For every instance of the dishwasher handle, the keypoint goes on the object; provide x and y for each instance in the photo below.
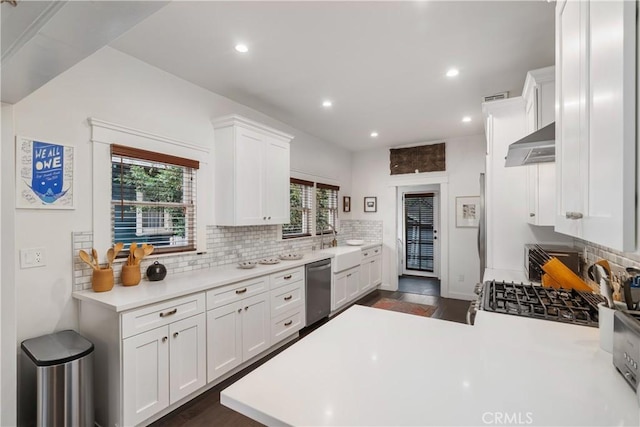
(319, 268)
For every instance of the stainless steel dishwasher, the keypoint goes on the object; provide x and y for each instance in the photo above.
(318, 290)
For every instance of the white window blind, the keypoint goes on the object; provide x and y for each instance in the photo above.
(301, 204)
(153, 199)
(326, 207)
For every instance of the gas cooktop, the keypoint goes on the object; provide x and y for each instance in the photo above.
(561, 305)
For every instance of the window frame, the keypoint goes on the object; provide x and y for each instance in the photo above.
(335, 210)
(190, 172)
(307, 213)
(313, 211)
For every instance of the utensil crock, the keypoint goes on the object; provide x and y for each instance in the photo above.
(130, 275)
(102, 280)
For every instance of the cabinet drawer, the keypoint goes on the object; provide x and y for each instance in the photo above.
(285, 277)
(235, 292)
(287, 297)
(287, 324)
(160, 314)
(368, 253)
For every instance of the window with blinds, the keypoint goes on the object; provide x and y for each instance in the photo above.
(419, 238)
(300, 192)
(153, 199)
(326, 207)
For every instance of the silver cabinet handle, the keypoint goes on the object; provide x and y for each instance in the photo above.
(532, 215)
(287, 277)
(376, 251)
(246, 308)
(175, 334)
(269, 218)
(164, 339)
(241, 291)
(573, 215)
(239, 310)
(288, 298)
(288, 323)
(366, 253)
(169, 313)
(264, 217)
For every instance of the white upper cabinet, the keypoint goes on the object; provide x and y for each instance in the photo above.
(251, 163)
(596, 121)
(539, 97)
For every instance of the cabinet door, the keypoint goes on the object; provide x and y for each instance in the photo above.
(145, 377)
(256, 325)
(339, 291)
(353, 283)
(248, 175)
(365, 275)
(276, 181)
(571, 118)
(609, 207)
(375, 269)
(187, 356)
(224, 339)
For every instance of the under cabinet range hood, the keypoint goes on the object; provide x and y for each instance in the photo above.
(537, 147)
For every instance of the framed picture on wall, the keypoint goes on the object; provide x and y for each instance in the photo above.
(44, 175)
(371, 204)
(467, 211)
(346, 204)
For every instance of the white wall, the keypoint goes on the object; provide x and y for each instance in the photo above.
(112, 86)
(465, 160)
(7, 285)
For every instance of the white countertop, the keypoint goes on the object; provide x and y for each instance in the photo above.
(516, 276)
(377, 367)
(122, 298)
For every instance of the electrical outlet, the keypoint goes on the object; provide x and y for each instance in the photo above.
(33, 257)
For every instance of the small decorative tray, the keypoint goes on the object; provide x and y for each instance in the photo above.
(269, 261)
(247, 264)
(290, 257)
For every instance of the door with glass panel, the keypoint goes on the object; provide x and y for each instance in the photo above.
(420, 234)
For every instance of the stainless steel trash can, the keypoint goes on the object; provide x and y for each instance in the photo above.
(57, 380)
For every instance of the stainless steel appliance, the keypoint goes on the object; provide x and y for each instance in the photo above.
(626, 345)
(519, 299)
(537, 147)
(482, 228)
(567, 255)
(318, 290)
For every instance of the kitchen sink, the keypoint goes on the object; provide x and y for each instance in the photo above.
(344, 257)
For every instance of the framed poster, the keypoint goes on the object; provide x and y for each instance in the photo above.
(44, 175)
(346, 203)
(371, 204)
(467, 211)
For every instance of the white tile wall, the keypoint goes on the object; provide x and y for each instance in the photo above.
(617, 260)
(225, 245)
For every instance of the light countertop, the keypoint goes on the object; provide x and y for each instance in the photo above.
(122, 298)
(376, 367)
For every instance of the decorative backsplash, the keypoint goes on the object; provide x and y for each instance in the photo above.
(226, 245)
(367, 230)
(617, 260)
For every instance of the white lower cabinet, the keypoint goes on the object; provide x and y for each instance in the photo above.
(345, 287)
(237, 332)
(162, 366)
(370, 273)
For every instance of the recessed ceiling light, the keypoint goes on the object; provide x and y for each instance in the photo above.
(242, 48)
(327, 103)
(374, 134)
(452, 72)
(466, 119)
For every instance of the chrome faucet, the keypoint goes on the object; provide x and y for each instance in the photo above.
(334, 242)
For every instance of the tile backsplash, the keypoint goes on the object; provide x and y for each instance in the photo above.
(227, 245)
(617, 260)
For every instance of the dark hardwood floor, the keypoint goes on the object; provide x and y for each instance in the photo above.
(206, 409)
(419, 285)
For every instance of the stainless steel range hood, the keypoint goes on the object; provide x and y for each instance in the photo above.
(538, 147)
